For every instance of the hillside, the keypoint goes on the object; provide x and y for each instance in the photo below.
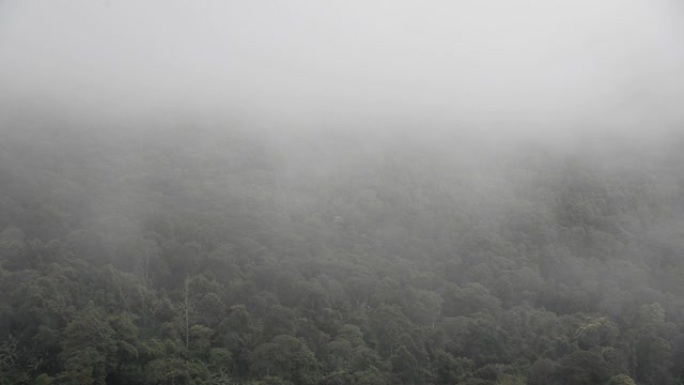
(178, 255)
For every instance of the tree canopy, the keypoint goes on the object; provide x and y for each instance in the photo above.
(226, 258)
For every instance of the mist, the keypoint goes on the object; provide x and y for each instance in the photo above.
(277, 192)
(529, 66)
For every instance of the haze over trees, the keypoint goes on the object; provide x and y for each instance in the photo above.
(341, 193)
(209, 257)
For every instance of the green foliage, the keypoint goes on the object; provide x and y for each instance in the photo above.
(234, 261)
(597, 332)
(621, 379)
(89, 349)
(167, 371)
(286, 357)
(43, 379)
(582, 368)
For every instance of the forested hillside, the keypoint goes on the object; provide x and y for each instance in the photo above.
(178, 255)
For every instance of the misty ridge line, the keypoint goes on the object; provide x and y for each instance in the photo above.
(469, 165)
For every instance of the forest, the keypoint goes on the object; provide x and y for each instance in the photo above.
(181, 253)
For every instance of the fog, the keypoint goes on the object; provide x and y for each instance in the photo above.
(271, 192)
(525, 66)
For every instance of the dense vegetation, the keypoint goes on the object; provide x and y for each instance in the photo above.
(180, 255)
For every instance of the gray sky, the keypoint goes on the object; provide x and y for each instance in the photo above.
(608, 62)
